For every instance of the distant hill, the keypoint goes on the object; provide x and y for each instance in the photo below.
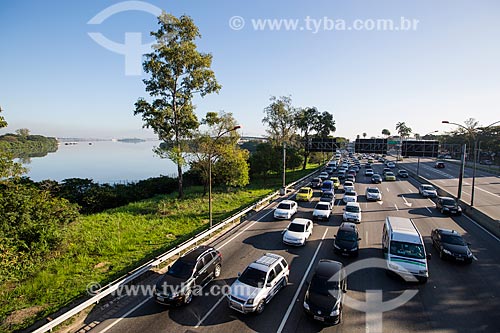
(25, 146)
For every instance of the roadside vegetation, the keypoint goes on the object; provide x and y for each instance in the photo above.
(24, 145)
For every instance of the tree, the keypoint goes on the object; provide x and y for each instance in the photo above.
(23, 132)
(364, 135)
(8, 168)
(306, 121)
(325, 125)
(403, 130)
(280, 119)
(177, 71)
(218, 145)
(386, 132)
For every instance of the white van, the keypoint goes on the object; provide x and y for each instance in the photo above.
(404, 249)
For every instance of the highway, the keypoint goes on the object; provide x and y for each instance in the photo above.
(487, 186)
(456, 298)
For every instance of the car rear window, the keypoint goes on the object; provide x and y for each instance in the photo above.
(284, 206)
(295, 227)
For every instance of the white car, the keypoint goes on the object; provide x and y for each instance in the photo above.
(322, 211)
(350, 197)
(391, 165)
(348, 186)
(352, 212)
(373, 193)
(369, 172)
(257, 285)
(324, 175)
(298, 232)
(427, 191)
(286, 209)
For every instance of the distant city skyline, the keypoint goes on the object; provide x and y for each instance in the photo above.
(441, 63)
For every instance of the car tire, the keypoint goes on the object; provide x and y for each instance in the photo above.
(188, 297)
(260, 307)
(442, 211)
(217, 270)
(285, 282)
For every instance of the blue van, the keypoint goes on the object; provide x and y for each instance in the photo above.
(327, 186)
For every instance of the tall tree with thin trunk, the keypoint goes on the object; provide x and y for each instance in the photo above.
(280, 119)
(306, 121)
(325, 125)
(177, 71)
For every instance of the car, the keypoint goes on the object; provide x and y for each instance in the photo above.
(451, 245)
(348, 186)
(297, 232)
(350, 196)
(427, 191)
(341, 174)
(285, 209)
(324, 296)
(327, 186)
(373, 194)
(329, 170)
(403, 173)
(351, 172)
(258, 284)
(447, 205)
(346, 241)
(389, 176)
(328, 197)
(352, 212)
(391, 165)
(336, 182)
(322, 211)
(304, 194)
(439, 165)
(386, 170)
(486, 162)
(191, 272)
(316, 182)
(376, 179)
(350, 178)
(369, 172)
(323, 175)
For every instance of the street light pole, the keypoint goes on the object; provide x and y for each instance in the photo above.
(210, 155)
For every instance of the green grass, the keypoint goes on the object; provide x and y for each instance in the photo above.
(102, 247)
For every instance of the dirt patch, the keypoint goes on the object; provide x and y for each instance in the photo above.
(103, 266)
(19, 316)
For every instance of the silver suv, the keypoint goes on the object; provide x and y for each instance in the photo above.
(257, 285)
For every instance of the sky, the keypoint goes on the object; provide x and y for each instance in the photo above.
(58, 81)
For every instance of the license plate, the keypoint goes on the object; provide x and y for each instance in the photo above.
(319, 318)
(460, 259)
(160, 299)
(345, 253)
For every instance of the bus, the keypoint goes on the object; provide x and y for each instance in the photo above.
(404, 249)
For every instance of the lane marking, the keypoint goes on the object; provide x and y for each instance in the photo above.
(409, 204)
(387, 189)
(242, 231)
(126, 314)
(292, 304)
(410, 190)
(428, 209)
(209, 312)
(484, 229)
(396, 207)
(474, 257)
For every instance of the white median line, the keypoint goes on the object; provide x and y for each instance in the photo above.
(290, 307)
(126, 314)
(396, 207)
(242, 231)
(209, 312)
(428, 209)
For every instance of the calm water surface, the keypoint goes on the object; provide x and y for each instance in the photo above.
(102, 161)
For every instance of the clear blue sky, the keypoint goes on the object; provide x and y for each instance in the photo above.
(55, 80)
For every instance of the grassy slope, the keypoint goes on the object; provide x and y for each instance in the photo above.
(104, 246)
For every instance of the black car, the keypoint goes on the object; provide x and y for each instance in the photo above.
(328, 197)
(316, 182)
(451, 245)
(191, 272)
(403, 173)
(346, 241)
(439, 165)
(447, 205)
(324, 296)
(376, 179)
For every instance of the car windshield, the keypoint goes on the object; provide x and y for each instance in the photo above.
(327, 196)
(402, 171)
(346, 235)
(350, 194)
(452, 239)
(181, 269)
(348, 183)
(304, 190)
(428, 187)
(352, 209)
(321, 285)
(322, 207)
(253, 277)
(389, 174)
(373, 190)
(296, 227)
(448, 202)
(284, 206)
(316, 180)
(408, 250)
(376, 176)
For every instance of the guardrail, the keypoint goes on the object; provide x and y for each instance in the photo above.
(130, 276)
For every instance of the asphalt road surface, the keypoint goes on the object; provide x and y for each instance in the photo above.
(456, 298)
(487, 185)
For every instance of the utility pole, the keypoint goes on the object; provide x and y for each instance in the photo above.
(461, 174)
